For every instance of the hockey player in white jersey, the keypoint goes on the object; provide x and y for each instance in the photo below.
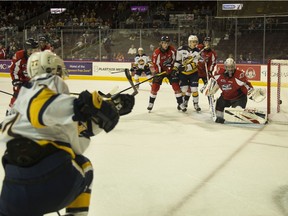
(45, 169)
(187, 70)
(141, 65)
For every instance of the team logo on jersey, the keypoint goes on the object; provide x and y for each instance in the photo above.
(226, 87)
(141, 61)
(250, 73)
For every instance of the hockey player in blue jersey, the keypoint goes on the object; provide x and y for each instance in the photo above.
(45, 170)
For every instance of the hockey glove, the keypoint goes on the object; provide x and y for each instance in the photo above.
(17, 82)
(124, 103)
(92, 106)
(175, 71)
(256, 95)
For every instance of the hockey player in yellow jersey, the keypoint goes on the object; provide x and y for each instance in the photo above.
(45, 170)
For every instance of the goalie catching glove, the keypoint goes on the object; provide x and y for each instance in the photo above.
(257, 95)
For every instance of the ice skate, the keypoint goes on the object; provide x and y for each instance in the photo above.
(150, 106)
(185, 103)
(196, 107)
(182, 107)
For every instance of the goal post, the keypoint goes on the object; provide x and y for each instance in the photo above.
(277, 91)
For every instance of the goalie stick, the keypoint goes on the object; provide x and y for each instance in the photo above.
(210, 98)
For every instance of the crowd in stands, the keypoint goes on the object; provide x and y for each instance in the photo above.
(86, 19)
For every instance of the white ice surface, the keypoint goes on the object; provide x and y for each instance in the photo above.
(169, 163)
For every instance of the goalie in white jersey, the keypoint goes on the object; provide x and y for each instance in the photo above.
(45, 170)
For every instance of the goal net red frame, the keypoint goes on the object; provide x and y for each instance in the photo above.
(277, 91)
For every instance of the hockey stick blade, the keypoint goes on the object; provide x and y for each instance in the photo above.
(128, 75)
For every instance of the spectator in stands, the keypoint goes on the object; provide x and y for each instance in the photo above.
(107, 46)
(120, 57)
(249, 57)
(242, 59)
(132, 51)
(2, 51)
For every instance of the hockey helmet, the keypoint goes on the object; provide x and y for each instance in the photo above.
(230, 67)
(31, 43)
(140, 49)
(43, 39)
(192, 38)
(165, 38)
(46, 62)
(207, 39)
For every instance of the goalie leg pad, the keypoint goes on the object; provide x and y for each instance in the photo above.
(250, 116)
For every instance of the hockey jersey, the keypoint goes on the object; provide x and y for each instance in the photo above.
(232, 87)
(44, 111)
(185, 56)
(164, 61)
(141, 61)
(18, 66)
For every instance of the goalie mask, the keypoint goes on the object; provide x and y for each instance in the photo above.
(230, 67)
(192, 41)
(46, 62)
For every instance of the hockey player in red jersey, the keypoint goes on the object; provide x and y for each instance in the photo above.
(18, 71)
(163, 60)
(235, 88)
(209, 57)
(44, 45)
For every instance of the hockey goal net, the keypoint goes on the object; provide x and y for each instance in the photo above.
(277, 91)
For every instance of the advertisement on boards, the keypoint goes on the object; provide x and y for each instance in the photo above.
(79, 67)
(110, 68)
(4, 66)
(252, 71)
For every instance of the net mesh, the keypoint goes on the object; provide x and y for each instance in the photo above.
(277, 91)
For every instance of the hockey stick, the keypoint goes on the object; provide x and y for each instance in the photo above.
(115, 72)
(210, 97)
(128, 75)
(159, 74)
(7, 93)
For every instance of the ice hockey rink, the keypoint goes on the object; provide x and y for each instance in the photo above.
(169, 163)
